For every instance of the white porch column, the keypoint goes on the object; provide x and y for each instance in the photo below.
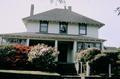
(102, 47)
(27, 42)
(74, 51)
(56, 46)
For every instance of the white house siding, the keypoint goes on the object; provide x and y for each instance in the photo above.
(92, 31)
(73, 29)
(33, 26)
(53, 27)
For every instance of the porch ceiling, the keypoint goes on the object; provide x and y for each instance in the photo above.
(67, 37)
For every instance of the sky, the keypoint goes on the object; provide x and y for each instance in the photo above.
(12, 12)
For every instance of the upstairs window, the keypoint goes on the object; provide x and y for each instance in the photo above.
(63, 27)
(83, 29)
(44, 27)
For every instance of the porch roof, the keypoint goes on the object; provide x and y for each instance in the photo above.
(46, 36)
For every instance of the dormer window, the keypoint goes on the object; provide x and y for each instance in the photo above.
(44, 27)
(63, 27)
(83, 29)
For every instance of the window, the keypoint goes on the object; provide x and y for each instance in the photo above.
(63, 27)
(80, 46)
(83, 29)
(98, 45)
(44, 27)
(13, 41)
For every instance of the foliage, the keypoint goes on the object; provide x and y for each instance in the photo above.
(43, 57)
(98, 61)
(13, 56)
(88, 54)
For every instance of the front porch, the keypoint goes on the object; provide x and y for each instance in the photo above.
(68, 45)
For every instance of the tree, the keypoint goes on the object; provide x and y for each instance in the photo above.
(118, 10)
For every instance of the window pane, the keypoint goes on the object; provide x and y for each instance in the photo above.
(80, 46)
(98, 45)
(83, 29)
(13, 41)
(44, 27)
(63, 27)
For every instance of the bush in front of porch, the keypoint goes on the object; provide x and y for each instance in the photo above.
(98, 61)
(13, 57)
(39, 57)
(43, 57)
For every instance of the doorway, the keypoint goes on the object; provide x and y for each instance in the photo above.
(64, 49)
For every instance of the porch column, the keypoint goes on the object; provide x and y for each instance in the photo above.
(102, 46)
(56, 46)
(27, 42)
(74, 51)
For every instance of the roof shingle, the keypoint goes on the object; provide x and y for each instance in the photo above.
(63, 15)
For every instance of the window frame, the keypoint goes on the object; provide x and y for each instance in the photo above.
(63, 23)
(43, 22)
(85, 26)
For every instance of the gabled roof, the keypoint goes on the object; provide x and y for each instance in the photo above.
(62, 15)
(67, 37)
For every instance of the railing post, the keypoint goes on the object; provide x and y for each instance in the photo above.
(87, 69)
(81, 67)
(77, 67)
(109, 70)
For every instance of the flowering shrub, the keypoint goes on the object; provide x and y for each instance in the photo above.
(5, 51)
(39, 57)
(43, 57)
(88, 54)
(13, 56)
(98, 61)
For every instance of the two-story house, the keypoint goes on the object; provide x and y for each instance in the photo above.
(68, 31)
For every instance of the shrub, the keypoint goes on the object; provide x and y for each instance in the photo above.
(88, 54)
(13, 56)
(5, 52)
(43, 57)
(100, 63)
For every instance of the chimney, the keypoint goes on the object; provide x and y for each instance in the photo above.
(69, 8)
(32, 10)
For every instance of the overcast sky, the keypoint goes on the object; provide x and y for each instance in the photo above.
(12, 12)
